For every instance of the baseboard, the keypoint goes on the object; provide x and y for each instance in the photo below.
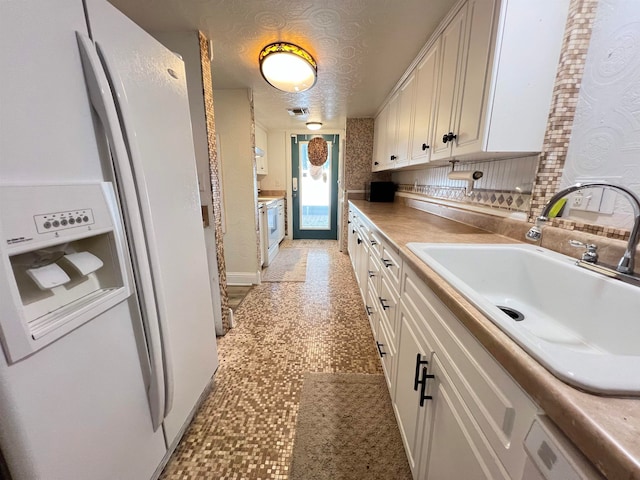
(243, 278)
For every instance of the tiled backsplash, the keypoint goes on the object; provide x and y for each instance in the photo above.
(505, 184)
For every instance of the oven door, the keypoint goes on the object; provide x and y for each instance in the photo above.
(272, 220)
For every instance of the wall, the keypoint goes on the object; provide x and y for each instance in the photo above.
(187, 45)
(504, 187)
(358, 152)
(605, 144)
(234, 126)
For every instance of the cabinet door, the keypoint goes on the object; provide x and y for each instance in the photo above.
(391, 138)
(426, 81)
(406, 403)
(405, 111)
(451, 42)
(379, 137)
(456, 446)
(474, 79)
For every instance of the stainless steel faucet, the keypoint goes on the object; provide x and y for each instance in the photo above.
(626, 263)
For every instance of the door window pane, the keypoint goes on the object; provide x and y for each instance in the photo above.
(314, 191)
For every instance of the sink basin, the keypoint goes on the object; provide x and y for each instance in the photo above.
(582, 326)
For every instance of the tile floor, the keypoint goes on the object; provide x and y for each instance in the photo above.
(245, 429)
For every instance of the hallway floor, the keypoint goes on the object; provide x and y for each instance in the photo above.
(245, 428)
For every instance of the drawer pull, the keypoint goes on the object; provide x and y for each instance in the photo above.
(371, 273)
(419, 363)
(380, 345)
(423, 386)
(373, 242)
(386, 263)
(384, 305)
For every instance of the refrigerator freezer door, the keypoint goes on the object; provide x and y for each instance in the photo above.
(150, 89)
(46, 133)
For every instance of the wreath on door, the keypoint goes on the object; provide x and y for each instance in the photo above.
(317, 151)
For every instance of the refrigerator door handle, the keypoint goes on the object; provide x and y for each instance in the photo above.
(160, 390)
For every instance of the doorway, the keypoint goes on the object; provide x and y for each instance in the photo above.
(314, 190)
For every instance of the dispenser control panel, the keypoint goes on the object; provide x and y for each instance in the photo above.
(61, 220)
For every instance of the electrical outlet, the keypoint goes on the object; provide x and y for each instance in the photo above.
(577, 200)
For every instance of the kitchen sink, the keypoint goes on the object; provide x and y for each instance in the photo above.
(582, 326)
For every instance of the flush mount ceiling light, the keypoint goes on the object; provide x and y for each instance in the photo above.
(288, 67)
(314, 125)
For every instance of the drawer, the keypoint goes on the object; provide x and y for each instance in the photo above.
(376, 243)
(387, 352)
(501, 408)
(388, 307)
(392, 265)
(373, 270)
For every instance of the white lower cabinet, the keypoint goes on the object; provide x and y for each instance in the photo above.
(460, 414)
(453, 444)
(477, 417)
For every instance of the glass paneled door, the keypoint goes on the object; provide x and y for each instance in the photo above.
(314, 190)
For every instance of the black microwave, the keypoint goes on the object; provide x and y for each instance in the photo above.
(380, 191)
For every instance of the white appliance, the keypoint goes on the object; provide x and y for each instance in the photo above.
(263, 225)
(272, 239)
(106, 318)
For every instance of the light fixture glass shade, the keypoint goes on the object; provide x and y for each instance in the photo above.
(314, 125)
(288, 67)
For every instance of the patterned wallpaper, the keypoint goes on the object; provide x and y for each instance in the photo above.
(605, 144)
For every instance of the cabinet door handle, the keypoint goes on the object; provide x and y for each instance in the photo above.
(380, 345)
(448, 137)
(393, 157)
(386, 263)
(419, 363)
(353, 231)
(369, 310)
(424, 147)
(384, 305)
(373, 242)
(359, 241)
(376, 163)
(371, 273)
(423, 387)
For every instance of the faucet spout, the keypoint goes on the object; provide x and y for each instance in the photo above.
(626, 263)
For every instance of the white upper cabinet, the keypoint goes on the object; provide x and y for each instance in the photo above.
(379, 141)
(421, 136)
(262, 167)
(391, 138)
(405, 112)
(484, 85)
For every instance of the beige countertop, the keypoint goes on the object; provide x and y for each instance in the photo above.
(605, 429)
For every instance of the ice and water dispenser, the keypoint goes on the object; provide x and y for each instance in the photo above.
(63, 261)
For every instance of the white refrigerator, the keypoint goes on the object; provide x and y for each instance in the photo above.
(106, 311)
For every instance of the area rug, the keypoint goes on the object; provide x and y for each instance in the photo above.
(290, 265)
(346, 429)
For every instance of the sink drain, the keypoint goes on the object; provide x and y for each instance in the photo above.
(514, 314)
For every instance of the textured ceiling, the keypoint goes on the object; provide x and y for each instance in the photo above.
(362, 47)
